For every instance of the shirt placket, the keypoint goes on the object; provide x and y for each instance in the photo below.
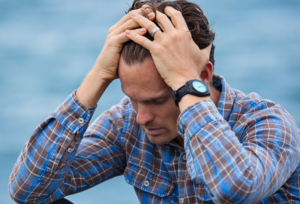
(182, 175)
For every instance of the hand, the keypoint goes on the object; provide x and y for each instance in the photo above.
(107, 62)
(105, 68)
(176, 56)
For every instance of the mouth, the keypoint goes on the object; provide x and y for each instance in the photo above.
(154, 131)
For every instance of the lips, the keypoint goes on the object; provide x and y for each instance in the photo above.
(154, 131)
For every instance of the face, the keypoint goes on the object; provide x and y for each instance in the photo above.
(152, 100)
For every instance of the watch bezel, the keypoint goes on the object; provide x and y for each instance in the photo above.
(191, 87)
(188, 88)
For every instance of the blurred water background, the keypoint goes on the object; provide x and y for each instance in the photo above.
(47, 47)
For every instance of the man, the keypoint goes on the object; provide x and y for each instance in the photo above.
(181, 136)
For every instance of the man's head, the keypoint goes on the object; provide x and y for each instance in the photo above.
(194, 17)
(150, 96)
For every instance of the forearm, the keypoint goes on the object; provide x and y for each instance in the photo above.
(92, 87)
(236, 171)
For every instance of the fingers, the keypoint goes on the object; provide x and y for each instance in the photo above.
(123, 37)
(148, 44)
(148, 12)
(145, 23)
(128, 25)
(164, 22)
(131, 24)
(127, 17)
(120, 26)
(177, 18)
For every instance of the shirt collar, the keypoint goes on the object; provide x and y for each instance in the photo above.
(226, 100)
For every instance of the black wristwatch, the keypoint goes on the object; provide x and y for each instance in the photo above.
(193, 87)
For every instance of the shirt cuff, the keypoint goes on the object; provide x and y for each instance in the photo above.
(192, 119)
(73, 115)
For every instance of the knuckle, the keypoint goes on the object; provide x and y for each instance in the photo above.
(177, 13)
(134, 36)
(110, 41)
(131, 12)
(113, 38)
(128, 23)
(175, 36)
(161, 15)
(160, 49)
(111, 29)
(134, 11)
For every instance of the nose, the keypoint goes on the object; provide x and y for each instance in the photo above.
(144, 114)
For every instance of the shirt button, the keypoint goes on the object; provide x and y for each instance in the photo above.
(181, 200)
(70, 150)
(146, 183)
(80, 120)
(184, 157)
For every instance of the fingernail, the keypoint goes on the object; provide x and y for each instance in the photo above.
(143, 30)
(127, 32)
(133, 13)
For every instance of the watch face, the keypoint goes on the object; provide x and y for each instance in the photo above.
(199, 86)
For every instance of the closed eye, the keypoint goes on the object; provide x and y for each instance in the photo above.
(154, 101)
(160, 100)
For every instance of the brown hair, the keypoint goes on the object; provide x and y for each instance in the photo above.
(194, 17)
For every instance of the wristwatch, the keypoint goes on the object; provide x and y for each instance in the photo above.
(193, 87)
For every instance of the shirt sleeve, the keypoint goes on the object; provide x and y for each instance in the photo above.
(245, 159)
(63, 157)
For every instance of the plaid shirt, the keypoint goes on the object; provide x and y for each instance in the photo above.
(245, 150)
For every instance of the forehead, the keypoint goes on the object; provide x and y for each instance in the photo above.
(141, 81)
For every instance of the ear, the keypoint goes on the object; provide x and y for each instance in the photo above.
(207, 73)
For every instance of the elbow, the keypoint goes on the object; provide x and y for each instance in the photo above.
(14, 194)
(19, 198)
(235, 197)
(246, 189)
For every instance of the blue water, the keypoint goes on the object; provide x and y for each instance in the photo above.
(47, 47)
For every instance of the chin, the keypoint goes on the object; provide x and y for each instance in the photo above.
(158, 140)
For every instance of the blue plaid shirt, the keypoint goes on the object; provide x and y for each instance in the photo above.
(246, 150)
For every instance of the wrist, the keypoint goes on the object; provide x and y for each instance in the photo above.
(181, 82)
(103, 76)
(92, 88)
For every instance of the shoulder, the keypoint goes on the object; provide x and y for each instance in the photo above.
(253, 111)
(253, 102)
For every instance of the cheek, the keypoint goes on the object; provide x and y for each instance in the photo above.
(170, 113)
